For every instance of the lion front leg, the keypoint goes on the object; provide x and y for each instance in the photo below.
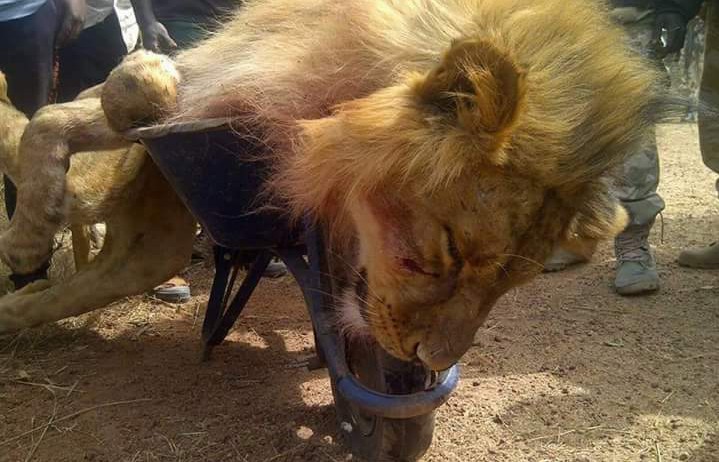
(149, 239)
(50, 139)
(142, 89)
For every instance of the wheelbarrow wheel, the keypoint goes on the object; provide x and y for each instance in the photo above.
(374, 438)
(371, 437)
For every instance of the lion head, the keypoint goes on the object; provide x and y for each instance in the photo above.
(454, 185)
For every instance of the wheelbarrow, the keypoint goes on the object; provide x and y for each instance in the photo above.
(385, 407)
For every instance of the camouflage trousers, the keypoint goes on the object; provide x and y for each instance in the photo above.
(637, 185)
(709, 93)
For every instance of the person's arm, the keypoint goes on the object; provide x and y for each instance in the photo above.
(154, 35)
(73, 20)
(670, 24)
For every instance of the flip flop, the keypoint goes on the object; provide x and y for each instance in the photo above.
(176, 290)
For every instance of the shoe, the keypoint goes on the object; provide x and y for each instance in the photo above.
(176, 290)
(561, 259)
(636, 266)
(703, 257)
(276, 269)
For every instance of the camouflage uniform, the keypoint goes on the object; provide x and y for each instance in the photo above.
(709, 93)
(708, 120)
(706, 257)
(637, 187)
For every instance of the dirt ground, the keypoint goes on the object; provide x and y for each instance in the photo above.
(564, 370)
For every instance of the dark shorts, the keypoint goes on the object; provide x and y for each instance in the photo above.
(27, 57)
(88, 60)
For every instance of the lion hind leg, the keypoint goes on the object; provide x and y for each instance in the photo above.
(148, 240)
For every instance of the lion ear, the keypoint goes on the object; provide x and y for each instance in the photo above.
(478, 87)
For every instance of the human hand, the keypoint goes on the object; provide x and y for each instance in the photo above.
(73, 20)
(156, 38)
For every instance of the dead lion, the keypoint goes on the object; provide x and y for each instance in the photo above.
(449, 143)
(149, 231)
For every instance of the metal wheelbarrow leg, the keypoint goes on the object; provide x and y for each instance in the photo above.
(222, 313)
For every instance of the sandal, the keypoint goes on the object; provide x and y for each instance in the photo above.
(176, 290)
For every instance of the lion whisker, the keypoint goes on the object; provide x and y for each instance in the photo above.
(501, 266)
(521, 257)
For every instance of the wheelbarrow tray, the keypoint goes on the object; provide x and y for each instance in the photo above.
(219, 176)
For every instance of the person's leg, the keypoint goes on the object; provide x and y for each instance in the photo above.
(637, 186)
(709, 92)
(637, 190)
(28, 67)
(708, 257)
(88, 60)
(27, 57)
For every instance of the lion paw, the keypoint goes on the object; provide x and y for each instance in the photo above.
(141, 90)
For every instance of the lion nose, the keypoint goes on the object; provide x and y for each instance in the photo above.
(441, 348)
(436, 359)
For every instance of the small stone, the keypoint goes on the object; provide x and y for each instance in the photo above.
(304, 433)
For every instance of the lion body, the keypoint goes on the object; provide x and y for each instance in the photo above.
(447, 144)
